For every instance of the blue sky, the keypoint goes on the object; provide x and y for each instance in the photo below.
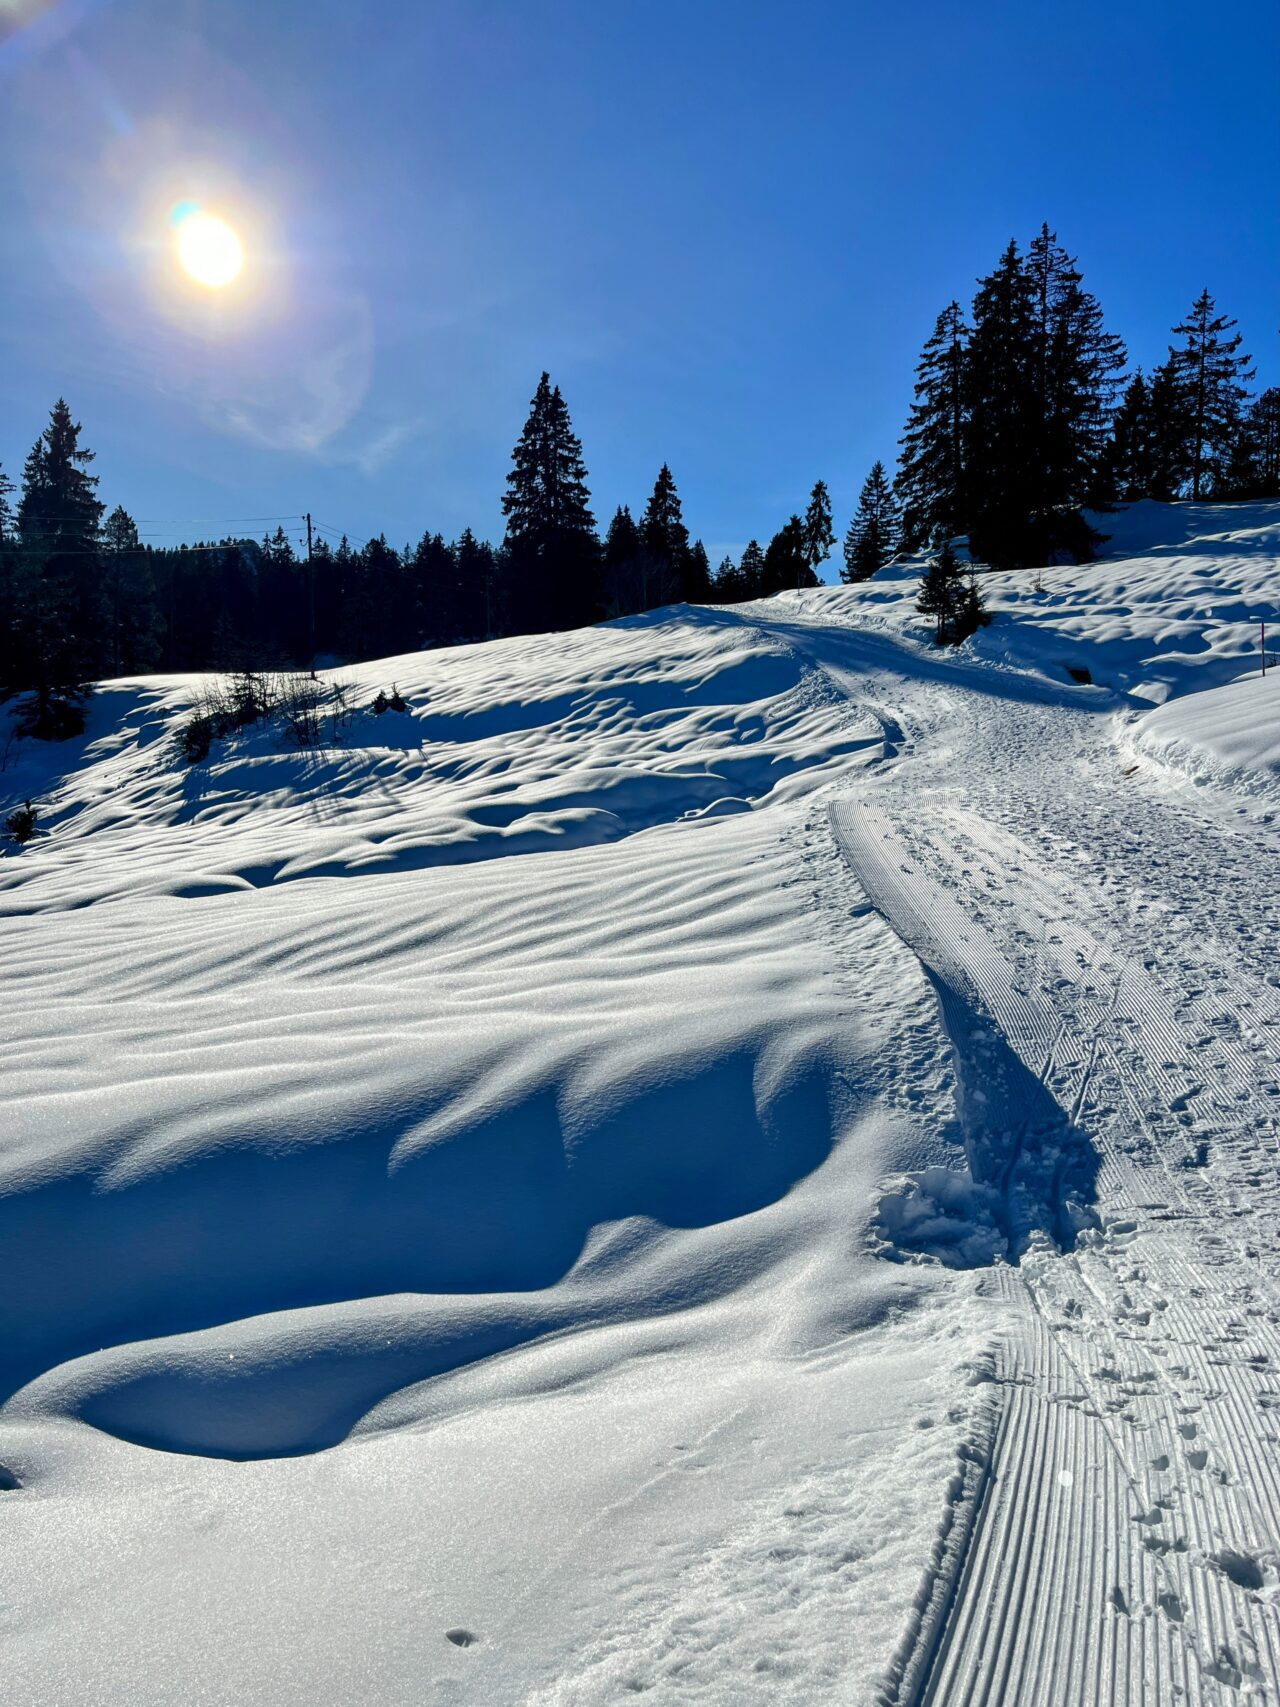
(725, 228)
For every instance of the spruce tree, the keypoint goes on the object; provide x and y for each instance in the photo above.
(1254, 469)
(1130, 456)
(666, 540)
(728, 586)
(623, 566)
(473, 569)
(819, 535)
(697, 574)
(1077, 371)
(942, 594)
(751, 571)
(8, 589)
(1210, 374)
(551, 553)
(1168, 436)
(1001, 463)
(873, 533)
(931, 477)
(61, 619)
(132, 616)
(786, 562)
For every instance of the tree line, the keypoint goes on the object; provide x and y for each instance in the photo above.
(1023, 419)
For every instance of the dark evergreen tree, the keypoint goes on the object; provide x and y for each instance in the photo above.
(8, 589)
(819, 535)
(1254, 468)
(132, 630)
(873, 533)
(751, 569)
(943, 594)
(729, 585)
(625, 566)
(473, 572)
(1129, 462)
(434, 608)
(1168, 436)
(786, 562)
(931, 477)
(1001, 458)
(665, 539)
(1077, 370)
(59, 593)
(1210, 374)
(697, 574)
(551, 551)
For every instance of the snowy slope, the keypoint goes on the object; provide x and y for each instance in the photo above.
(727, 1156)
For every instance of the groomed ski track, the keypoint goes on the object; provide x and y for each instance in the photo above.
(1103, 946)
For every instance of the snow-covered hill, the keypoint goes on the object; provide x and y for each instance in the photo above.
(728, 1156)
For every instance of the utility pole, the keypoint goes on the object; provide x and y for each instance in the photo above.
(311, 603)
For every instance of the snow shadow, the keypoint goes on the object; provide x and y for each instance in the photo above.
(1033, 1171)
(503, 1208)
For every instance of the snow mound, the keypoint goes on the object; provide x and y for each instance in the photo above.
(1229, 736)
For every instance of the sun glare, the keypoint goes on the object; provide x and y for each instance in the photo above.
(209, 250)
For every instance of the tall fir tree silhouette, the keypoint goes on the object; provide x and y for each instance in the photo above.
(819, 534)
(665, 539)
(61, 627)
(874, 531)
(1210, 374)
(931, 479)
(552, 554)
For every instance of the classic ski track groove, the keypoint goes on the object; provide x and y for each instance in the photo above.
(1122, 1542)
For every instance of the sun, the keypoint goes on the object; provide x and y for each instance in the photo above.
(209, 250)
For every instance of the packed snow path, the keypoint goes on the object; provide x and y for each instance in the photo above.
(1117, 944)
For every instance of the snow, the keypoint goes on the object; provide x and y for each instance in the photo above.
(726, 1156)
(1228, 735)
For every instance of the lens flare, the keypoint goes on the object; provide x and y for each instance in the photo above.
(209, 251)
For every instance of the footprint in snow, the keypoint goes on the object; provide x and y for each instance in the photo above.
(462, 1638)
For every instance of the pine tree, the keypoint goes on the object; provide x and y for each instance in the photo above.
(873, 533)
(1254, 471)
(697, 574)
(551, 553)
(1076, 380)
(624, 566)
(942, 594)
(132, 616)
(8, 589)
(751, 570)
(432, 605)
(931, 478)
(59, 595)
(1168, 436)
(1130, 456)
(1210, 374)
(786, 562)
(1002, 428)
(728, 585)
(819, 535)
(666, 540)
(473, 570)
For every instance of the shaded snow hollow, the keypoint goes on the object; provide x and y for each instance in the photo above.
(447, 1175)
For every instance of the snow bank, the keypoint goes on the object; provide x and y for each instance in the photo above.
(1229, 736)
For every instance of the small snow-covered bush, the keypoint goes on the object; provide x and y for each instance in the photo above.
(196, 737)
(21, 822)
(292, 702)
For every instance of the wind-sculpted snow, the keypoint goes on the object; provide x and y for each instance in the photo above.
(518, 747)
(729, 1157)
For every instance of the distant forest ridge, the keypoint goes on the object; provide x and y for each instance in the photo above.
(1024, 416)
